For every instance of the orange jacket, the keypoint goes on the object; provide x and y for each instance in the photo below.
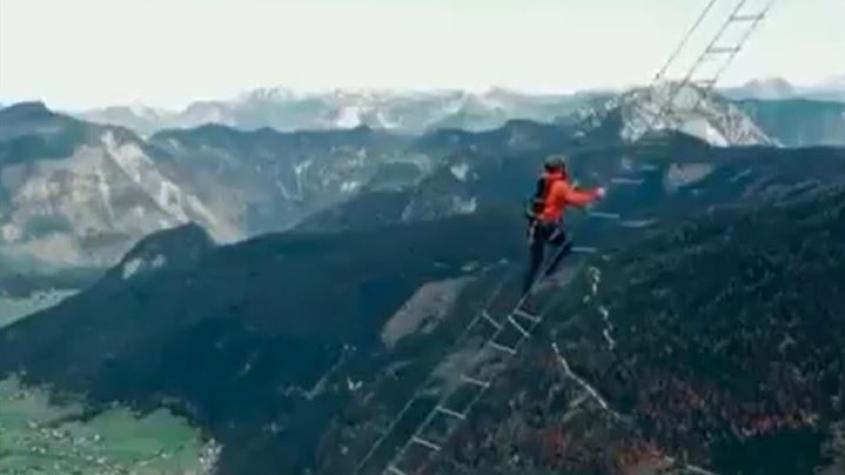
(560, 194)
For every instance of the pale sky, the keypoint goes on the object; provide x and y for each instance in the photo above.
(77, 54)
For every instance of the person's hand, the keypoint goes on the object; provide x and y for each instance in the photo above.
(601, 192)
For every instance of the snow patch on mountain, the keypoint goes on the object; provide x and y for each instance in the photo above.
(465, 206)
(349, 186)
(348, 117)
(138, 265)
(682, 175)
(460, 171)
(386, 122)
(179, 206)
(10, 233)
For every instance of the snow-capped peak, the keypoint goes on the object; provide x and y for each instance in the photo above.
(685, 108)
(272, 94)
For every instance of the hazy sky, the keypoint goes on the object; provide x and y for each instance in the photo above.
(84, 53)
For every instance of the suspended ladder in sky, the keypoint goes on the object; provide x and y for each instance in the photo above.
(716, 57)
(438, 407)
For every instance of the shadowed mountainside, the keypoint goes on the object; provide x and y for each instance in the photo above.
(253, 341)
(716, 343)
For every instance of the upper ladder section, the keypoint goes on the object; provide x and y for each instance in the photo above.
(735, 21)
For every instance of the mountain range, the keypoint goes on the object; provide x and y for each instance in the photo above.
(78, 195)
(295, 350)
(75, 194)
(240, 183)
(404, 112)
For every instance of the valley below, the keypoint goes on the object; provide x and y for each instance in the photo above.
(40, 435)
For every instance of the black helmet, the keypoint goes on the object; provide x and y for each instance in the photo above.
(555, 162)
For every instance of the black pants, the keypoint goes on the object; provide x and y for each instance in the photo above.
(543, 235)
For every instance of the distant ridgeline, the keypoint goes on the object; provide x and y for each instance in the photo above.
(77, 194)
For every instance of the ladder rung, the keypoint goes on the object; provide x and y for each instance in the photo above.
(425, 443)
(503, 348)
(723, 49)
(584, 250)
(626, 181)
(518, 327)
(477, 382)
(602, 215)
(523, 314)
(487, 317)
(449, 412)
(756, 17)
(392, 469)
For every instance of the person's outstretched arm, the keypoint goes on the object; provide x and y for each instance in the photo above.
(582, 198)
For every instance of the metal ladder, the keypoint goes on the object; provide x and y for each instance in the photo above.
(442, 413)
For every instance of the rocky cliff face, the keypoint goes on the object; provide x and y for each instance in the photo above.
(268, 181)
(76, 195)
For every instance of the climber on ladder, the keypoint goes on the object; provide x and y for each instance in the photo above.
(545, 216)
